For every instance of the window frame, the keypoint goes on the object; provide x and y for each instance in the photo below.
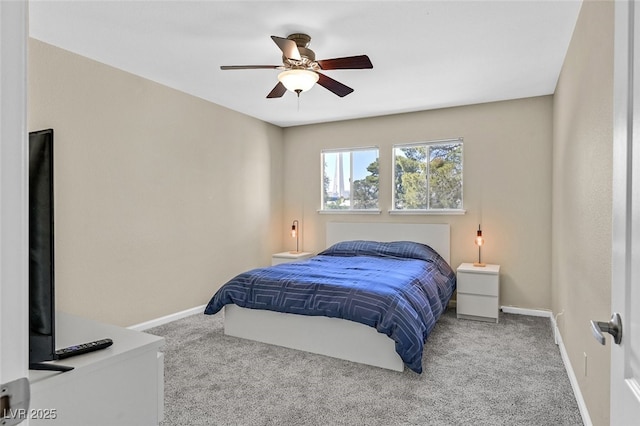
(427, 211)
(349, 210)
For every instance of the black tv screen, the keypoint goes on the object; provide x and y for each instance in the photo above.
(41, 248)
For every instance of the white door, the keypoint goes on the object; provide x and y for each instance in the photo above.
(625, 300)
(14, 333)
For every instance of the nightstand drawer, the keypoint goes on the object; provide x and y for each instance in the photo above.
(483, 284)
(477, 306)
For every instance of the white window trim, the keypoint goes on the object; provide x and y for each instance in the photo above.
(434, 142)
(434, 212)
(347, 211)
(393, 180)
(350, 149)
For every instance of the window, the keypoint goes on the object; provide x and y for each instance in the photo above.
(350, 179)
(428, 176)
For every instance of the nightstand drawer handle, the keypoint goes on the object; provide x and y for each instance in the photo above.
(613, 327)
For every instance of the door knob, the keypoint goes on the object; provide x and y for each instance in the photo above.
(613, 327)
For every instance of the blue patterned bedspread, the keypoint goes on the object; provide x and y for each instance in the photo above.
(399, 288)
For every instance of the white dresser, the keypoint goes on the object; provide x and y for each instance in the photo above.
(120, 385)
(478, 292)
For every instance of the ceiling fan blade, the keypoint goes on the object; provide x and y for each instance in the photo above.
(277, 91)
(250, 67)
(334, 86)
(350, 62)
(288, 47)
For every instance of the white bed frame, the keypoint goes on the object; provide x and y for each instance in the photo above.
(336, 337)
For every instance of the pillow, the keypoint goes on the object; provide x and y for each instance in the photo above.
(397, 249)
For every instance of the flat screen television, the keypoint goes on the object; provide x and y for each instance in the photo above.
(42, 342)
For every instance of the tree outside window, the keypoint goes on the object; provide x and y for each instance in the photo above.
(428, 176)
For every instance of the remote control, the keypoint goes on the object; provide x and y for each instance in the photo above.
(83, 348)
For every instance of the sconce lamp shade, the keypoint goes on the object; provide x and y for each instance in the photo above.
(295, 234)
(479, 243)
(298, 80)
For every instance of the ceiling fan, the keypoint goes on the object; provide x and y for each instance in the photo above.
(301, 70)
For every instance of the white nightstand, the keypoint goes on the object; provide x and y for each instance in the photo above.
(286, 257)
(478, 292)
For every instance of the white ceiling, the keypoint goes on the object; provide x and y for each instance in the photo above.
(425, 54)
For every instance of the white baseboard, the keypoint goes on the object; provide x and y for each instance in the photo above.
(167, 319)
(523, 311)
(582, 406)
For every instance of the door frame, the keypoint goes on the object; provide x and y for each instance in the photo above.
(624, 392)
(14, 222)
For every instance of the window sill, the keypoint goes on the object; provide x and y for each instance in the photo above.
(429, 212)
(350, 211)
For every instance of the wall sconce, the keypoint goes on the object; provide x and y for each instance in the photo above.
(479, 243)
(295, 234)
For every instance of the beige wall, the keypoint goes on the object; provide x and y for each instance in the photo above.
(582, 172)
(160, 196)
(507, 184)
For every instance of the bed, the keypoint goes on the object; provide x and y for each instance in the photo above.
(391, 331)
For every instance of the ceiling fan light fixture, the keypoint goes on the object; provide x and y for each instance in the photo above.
(298, 80)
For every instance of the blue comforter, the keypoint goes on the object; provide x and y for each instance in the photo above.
(399, 288)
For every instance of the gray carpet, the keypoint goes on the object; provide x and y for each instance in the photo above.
(475, 373)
